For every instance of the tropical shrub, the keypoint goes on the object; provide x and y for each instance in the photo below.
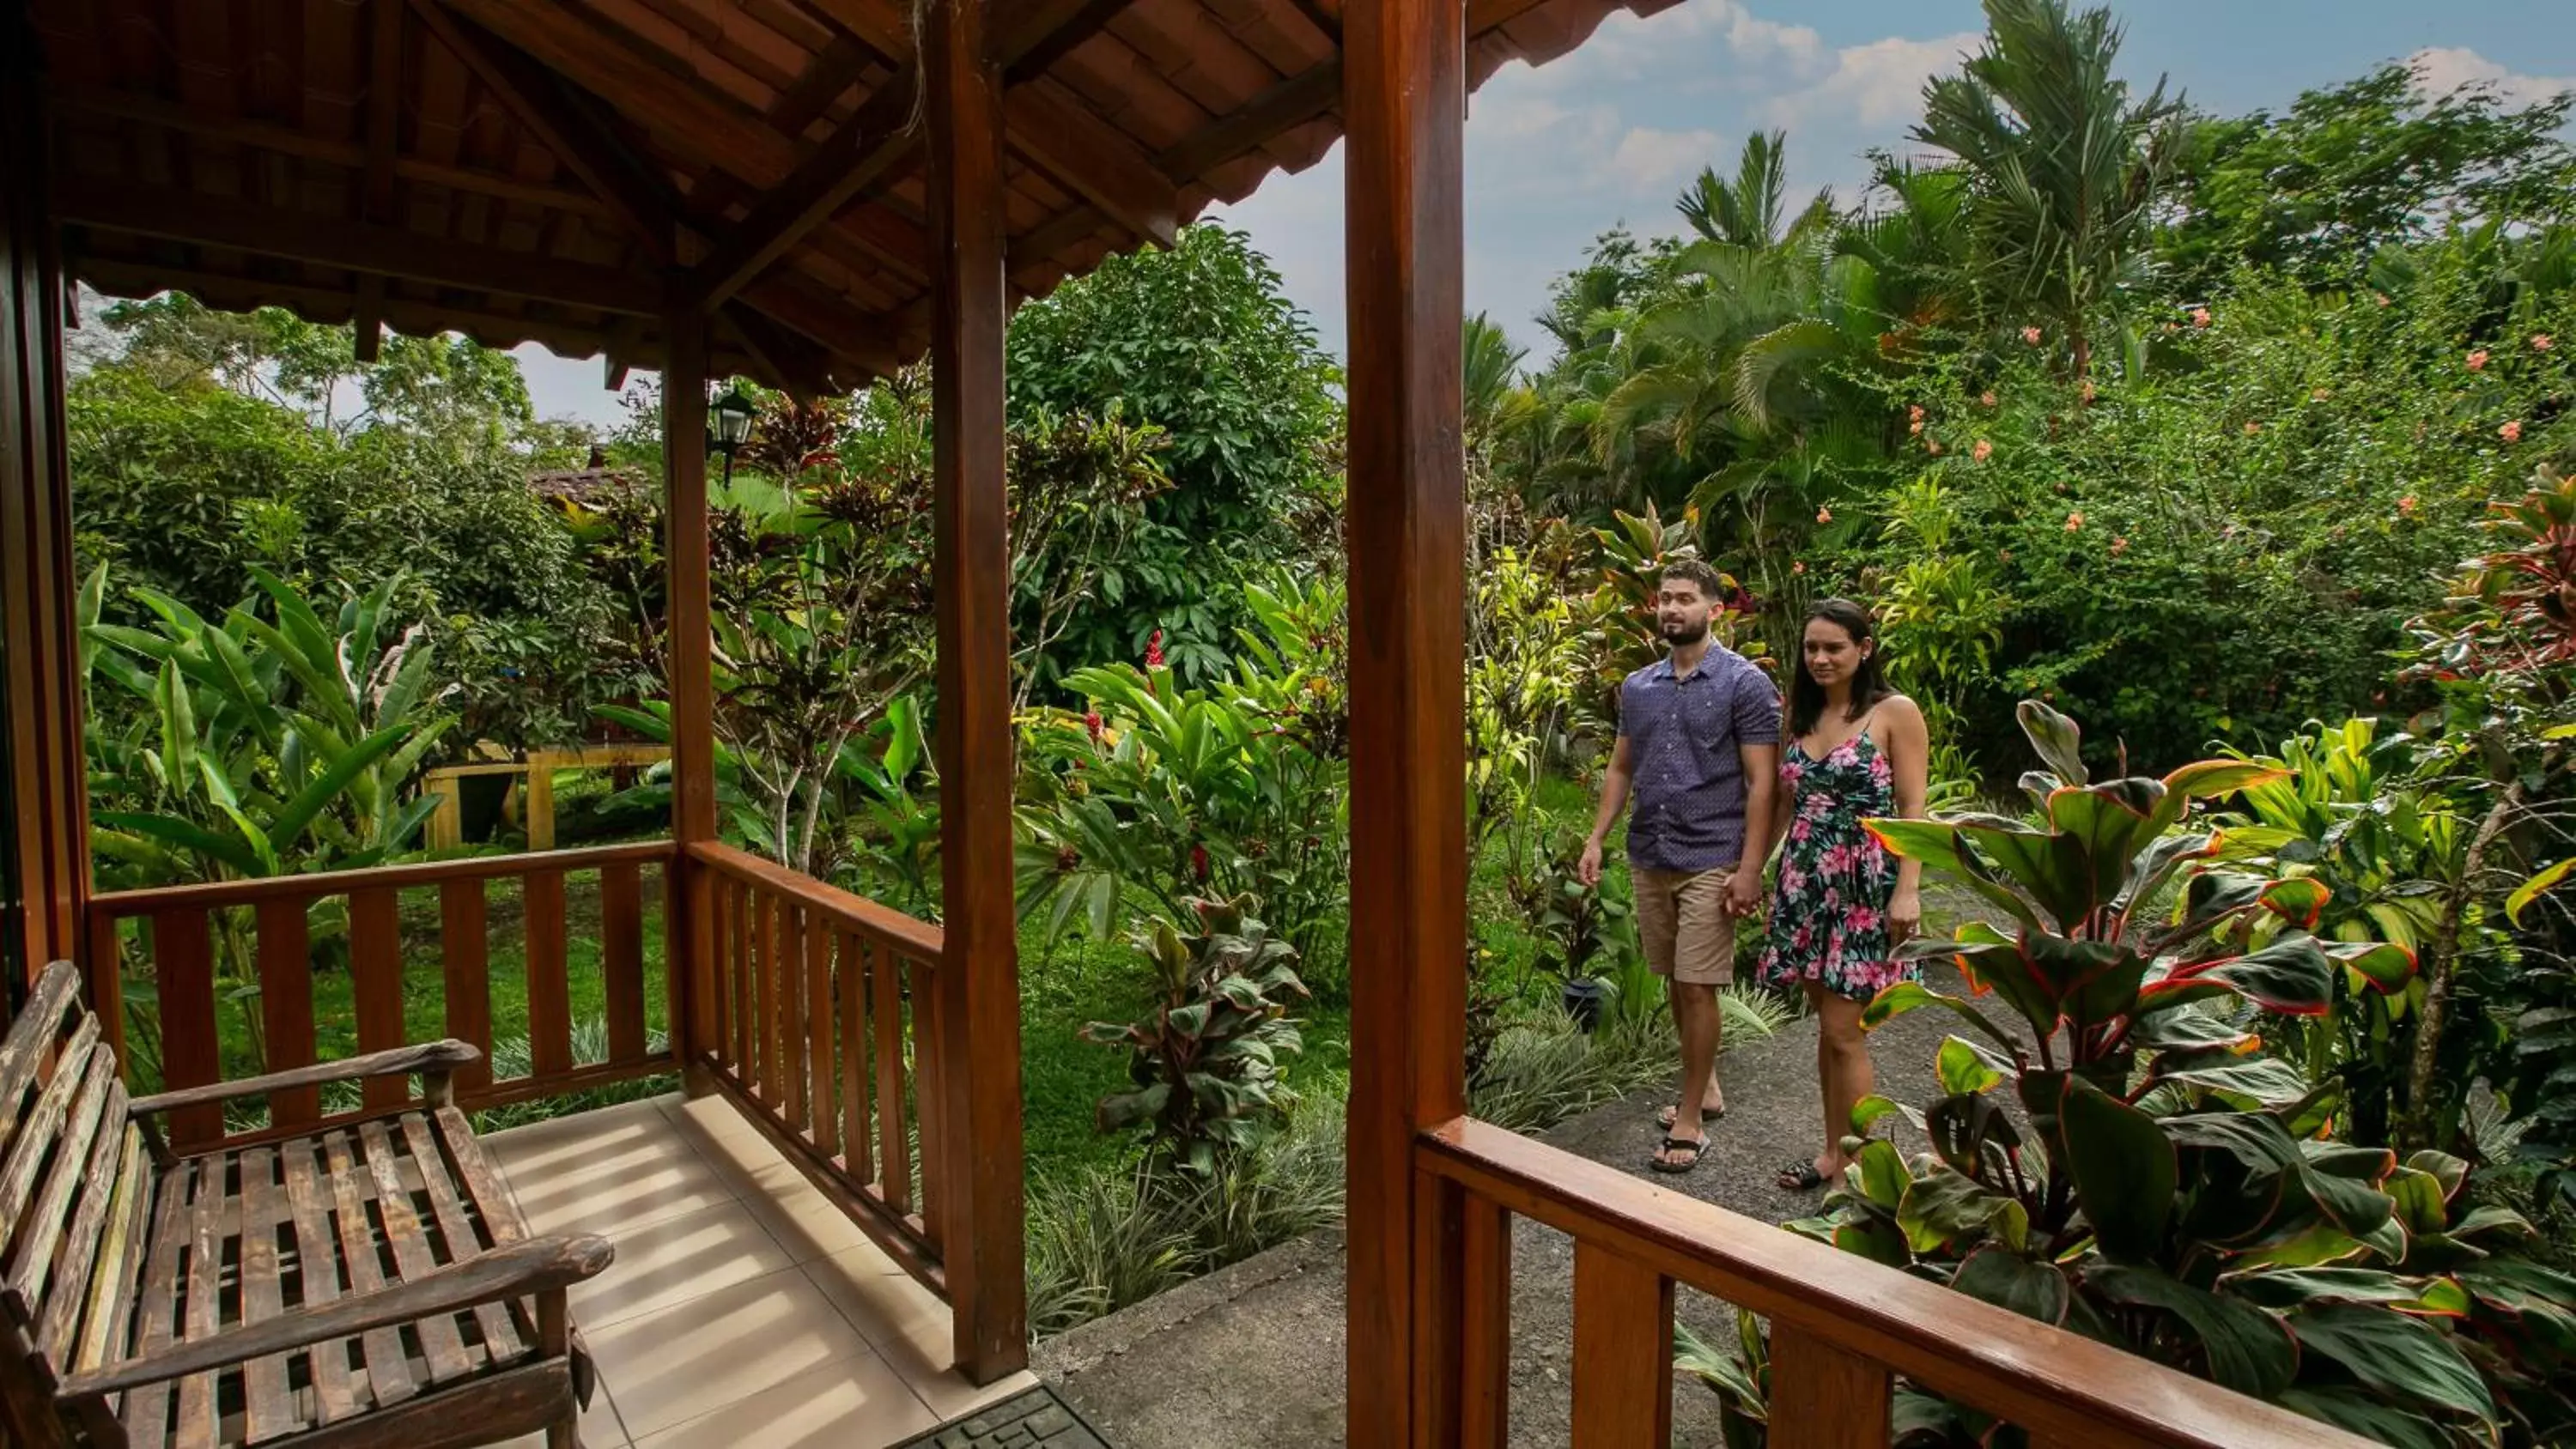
(2168, 1187)
(2341, 808)
(1164, 792)
(1205, 1060)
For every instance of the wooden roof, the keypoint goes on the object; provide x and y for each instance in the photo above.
(569, 171)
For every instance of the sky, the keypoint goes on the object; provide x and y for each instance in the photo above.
(1611, 133)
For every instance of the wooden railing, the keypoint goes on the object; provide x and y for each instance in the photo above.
(263, 930)
(1842, 1329)
(819, 1019)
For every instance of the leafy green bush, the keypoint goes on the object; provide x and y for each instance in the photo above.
(2168, 1187)
(1204, 1060)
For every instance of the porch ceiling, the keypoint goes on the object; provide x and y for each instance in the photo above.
(570, 171)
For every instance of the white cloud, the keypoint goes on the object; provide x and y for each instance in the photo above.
(1649, 160)
(2443, 69)
(1877, 86)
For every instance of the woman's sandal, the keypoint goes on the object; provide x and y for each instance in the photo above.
(1697, 1147)
(1801, 1178)
(1671, 1113)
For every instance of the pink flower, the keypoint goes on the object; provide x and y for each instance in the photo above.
(1879, 769)
(2086, 391)
(2030, 335)
(2252, 428)
(1988, 399)
(1914, 429)
(1801, 829)
(1824, 515)
(2511, 432)
(1914, 413)
(2200, 316)
(1798, 567)
(1934, 448)
(1982, 451)
(2540, 342)
(2380, 297)
(2478, 360)
(2406, 504)
(2075, 522)
(1862, 918)
(2119, 546)
(1154, 651)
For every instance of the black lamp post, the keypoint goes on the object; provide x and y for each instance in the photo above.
(729, 418)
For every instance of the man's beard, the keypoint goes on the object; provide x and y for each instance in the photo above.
(1684, 633)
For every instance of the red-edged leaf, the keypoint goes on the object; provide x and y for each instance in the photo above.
(2299, 900)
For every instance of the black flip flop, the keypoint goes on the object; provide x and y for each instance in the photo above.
(1697, 1147)
(1801, 1178)
(1667, 1116)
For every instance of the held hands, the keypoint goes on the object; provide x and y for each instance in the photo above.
(1904, 915)
(1744, 892)
(1588, 869)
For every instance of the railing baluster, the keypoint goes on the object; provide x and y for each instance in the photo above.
(465, 966)
(852, 983)
(1823, 1396)
(286, 1005)
(825, 1117)
(764, 991)
(183, 968)
(621, 959)
(737, 992)
(1623, 1354)
(1485, 1325)
(926, 1097)
(791, 1016)
(541, 897)
(375, 968)
(885, 1000)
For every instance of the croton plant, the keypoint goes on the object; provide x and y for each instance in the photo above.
(2113, 1151)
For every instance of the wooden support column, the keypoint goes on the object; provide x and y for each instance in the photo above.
(1403, 102)
(44, 806)
(978, 978)
(688, 645)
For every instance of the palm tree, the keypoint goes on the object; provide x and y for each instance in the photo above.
(1746, 212)
(2068, 168)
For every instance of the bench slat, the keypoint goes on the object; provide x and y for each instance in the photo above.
(387, 1372)
(269, 1403)
(440, 1343)
(90, 1294)
(147, 1409)
(501, 1339)
(37, 1132)
(318, 1271)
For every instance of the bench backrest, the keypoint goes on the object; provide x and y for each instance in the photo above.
(75, 1189)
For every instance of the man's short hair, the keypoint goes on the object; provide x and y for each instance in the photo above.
(1712, 584)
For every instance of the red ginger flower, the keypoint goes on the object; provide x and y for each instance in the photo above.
(1154, 651)
(1091, 723)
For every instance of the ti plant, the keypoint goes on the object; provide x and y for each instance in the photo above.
(2113, 1153)
(1205, 1060)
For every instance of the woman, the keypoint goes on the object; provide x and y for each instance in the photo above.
(1855, 749)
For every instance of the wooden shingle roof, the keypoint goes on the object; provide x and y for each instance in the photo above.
(569, 171)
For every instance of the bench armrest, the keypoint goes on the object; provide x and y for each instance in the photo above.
(433, 1060)
(516, 1270)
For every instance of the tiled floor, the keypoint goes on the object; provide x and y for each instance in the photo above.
(743, 1310)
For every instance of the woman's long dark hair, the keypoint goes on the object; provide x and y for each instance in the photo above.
(1869, 683)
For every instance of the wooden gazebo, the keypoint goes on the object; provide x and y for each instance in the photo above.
(814, 192)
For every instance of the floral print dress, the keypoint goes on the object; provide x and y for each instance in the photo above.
(1829, 918)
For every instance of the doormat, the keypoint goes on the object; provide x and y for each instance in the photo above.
(1034, 1420)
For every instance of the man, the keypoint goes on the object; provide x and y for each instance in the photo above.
(1699, 744)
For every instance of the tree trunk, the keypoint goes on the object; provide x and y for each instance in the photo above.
(2415, 1128)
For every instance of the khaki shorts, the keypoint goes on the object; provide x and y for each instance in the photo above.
(1683, 924)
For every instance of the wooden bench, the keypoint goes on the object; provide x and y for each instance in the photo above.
(370, 1284)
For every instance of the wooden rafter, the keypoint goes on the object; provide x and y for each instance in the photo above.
(384, 117)
(354, 246)
(576, 140)
(1049, 30)
(859, 154)
(101, 103)
(1094, 160)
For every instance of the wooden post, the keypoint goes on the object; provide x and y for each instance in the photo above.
(689, 645)
(978, 1011)
(1404, 104)
(44, 805)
